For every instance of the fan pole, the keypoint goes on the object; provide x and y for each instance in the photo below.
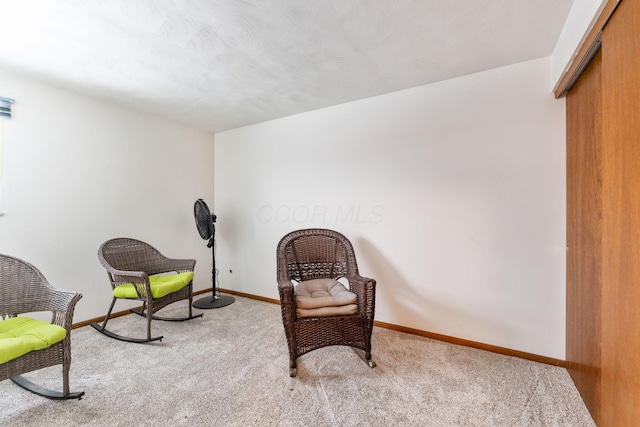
(215, 301)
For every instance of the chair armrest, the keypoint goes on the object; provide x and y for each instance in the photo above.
(63, 303)
(288, 309)
(124, 276)
(139, 279)
(180, 265)
(365, 289)
(286, 289)
(287, 298)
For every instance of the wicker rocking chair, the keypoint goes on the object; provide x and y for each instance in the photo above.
(136, 271)
(320, 257)
(29, 344)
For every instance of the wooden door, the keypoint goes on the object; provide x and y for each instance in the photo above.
(621, 217)
(584, 234)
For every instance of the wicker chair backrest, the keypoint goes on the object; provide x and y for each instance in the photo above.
(127, 254)
(23, 288)
(314, 254)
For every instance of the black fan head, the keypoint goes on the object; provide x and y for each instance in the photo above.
(204, 219)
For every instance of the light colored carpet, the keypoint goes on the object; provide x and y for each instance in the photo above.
(230, 368)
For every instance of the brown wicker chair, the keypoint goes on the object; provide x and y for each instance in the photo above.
(24, 289)
(130, 261)
(314, 254)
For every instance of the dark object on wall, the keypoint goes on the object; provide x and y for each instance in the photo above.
(205, 221)
(5, 107)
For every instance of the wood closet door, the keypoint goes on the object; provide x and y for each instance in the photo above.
(584, 234)
(621, 217)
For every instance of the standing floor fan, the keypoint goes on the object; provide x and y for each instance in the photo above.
(205, 221)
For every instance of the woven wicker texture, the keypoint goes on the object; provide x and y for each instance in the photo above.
(320, 253)
(133, 261)
(24, 289)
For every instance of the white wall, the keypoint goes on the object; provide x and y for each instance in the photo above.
(452, 193)
(78, 171)
(581, 16)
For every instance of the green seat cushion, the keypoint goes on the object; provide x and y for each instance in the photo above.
(160, 285)
(20, 335)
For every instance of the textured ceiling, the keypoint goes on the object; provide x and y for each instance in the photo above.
(221, 64)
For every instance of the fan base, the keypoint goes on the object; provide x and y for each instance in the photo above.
(209, 302)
